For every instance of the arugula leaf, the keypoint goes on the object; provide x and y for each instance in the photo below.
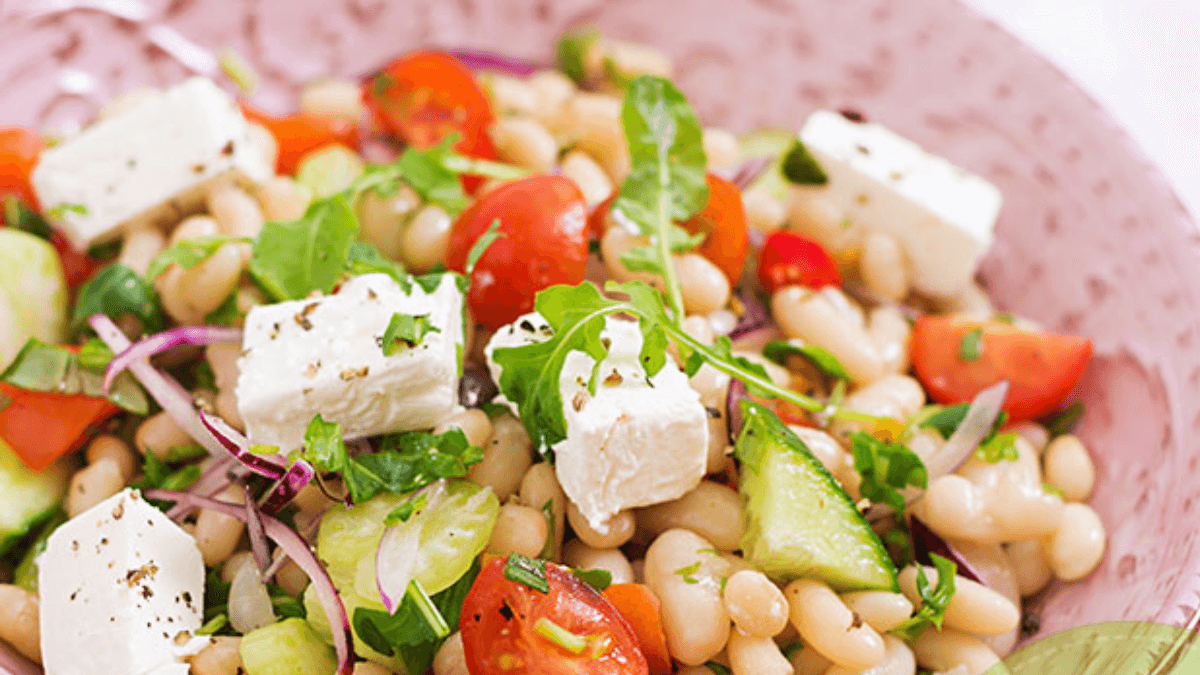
(290, 259)
(56, 369)
(18, 215)
(970, 348)
(570, 52)
(801, 168)
(779, 350)
(115, 291)
(886, 469)
(426, 173)
(190, 252)
(364, 258)
(1063, 421)
(934, 600)
(667, 180)
(482, 244)
(406, 331)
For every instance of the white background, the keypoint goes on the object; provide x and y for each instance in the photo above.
(1139, 58)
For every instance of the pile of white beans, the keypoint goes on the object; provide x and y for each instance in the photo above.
(1000, 517)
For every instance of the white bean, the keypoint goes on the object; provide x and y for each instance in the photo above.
(217, 534)
(220, 657)
(974, 608)
(894, 396)
(764, 212)
(686, 579)
(333, 98)
(812, 318)
(721, 147)
(370, 668)
(1069, 468)
(711, 510)
(755, 604)
(595, 185)
(554, 92)
(223, 359)
(265, 143)
(473, 422)
(581, 556)
(1029, 563)
(1035, 434)
(113, 449)
(949, 648)
(753, 655)
(140, 246)
(519, 529)
(1076, 547)
(616, 242)
(620, 528)
(450, 659)
(506, 458)
(237, 213)
(713, 386)
(813, 213)
(382, 219)
(19, 621)
(703, 285)
(159, 434)
(824, 447)
(426, 239)
(540, 487)
(830, 627)
(596, 122)
(881, 610)
(808, 661)
(524, 142)
(282, 198)
(511, 95)
(995, 571)
(632, 59)
(898, 659)
(883, 267)
(92, 485)
(891, 333)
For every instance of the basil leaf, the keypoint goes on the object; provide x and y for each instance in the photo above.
(801, 168)
(886, 469)
(528, 571)
(970, 348)
(406, 331)
(1063, 421)
(115, 291)
(190, 252)
(364, 258)
(55, 369)
(934, 600)
(571, 52)
(779, 350)
(290, 259)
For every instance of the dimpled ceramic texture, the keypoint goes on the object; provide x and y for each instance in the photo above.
(1091, 240)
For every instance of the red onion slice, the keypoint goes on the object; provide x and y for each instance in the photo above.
(926, 541)
(219, 475)
(271, 466)
(733, 408)
(975, 427)
(161, 342)
(477, 59)
(396, 557)
(743, 175)
(293, 546)
(298, 475)
(754, 316)
(259, 548)
(12, 663)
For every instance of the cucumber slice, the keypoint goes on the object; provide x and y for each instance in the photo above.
(29, 497)
(453, 531)
(774, 143)
(799, 520)
(329, 170)
(33, 293)
(25, 574)
(289, 647)
(320, 624)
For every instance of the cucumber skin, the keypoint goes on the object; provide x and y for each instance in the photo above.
(773, 143)
(780, 476)
(29, 497)
(289, 647)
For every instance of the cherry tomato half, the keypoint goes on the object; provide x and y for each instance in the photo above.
(788, 259)
(41, 427)
(1042, 368)
(425, 96)
(77, 266)
(505, 625)
(19, 152)
(300, 134)
(639, 606)
(543, 220)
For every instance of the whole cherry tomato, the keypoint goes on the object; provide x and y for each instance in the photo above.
(543, 220)
(956, 359)
(509, 628)
(19, 152)
(788, 259)
(300, 134)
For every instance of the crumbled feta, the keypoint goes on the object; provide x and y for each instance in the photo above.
(148, 163)
(942, 215)
(633, 443)
(121, 592)
(304, 357)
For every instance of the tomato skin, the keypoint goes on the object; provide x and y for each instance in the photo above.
(722, 220)
(544, 243)
(77, 266)
(423, 97)
(301, 133)
(788, 259)
(1042, 368)
(41, 427)
(499, 616)
(639, 606)
(19, 152)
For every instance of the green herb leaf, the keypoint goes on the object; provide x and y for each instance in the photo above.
(687, 571)
(571, 52)
(19, 216)
(190, 252)
(94, 355)
(290, 259)
(494, 410)
(426, 173)
(528, 571)
(364, 258)
(801, 168)
(57, 211)
(999, 447)
(971, 346)
(213, 626)
(407, 509)
(158, 475)
(886, 469)
(406, 331)
(598, 579)
(779, 351)
(1005, 317)
(55, 369)
(717, 668)
(993, 448)
(1063, 421)
(548, 547)
(115, 291)
(1052, 490)
(482, 244)
(934, 600)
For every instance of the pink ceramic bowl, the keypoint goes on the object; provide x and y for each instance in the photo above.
(1091, 240)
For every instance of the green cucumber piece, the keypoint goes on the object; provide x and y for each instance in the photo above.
(289, 647)
(773, 143)
(800, 523)
(351, 601)
(28, 497)
(329, 170)
(33, 293)
(25, 574)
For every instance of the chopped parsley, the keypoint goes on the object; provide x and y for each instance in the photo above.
(406, 331)
(970, 348)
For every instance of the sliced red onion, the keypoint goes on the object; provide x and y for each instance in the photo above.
(975, 427)
(754, 316)
(733, 408)
(476, 386)
(219, 475)
(293, 546)
(271, 466)
(755, 340)
(259, 548)
(298, 475)
(926, 541)
(396, 558)
(12, 663)
(163, 388)
(478, 59)
(743, 175)
(161, 342)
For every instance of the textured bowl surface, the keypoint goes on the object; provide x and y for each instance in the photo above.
(1091, 239)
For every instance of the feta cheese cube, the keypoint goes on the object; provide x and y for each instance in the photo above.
(633, 443)
(304, 357)
(122, 591)
(148, 163)
(942, 215)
